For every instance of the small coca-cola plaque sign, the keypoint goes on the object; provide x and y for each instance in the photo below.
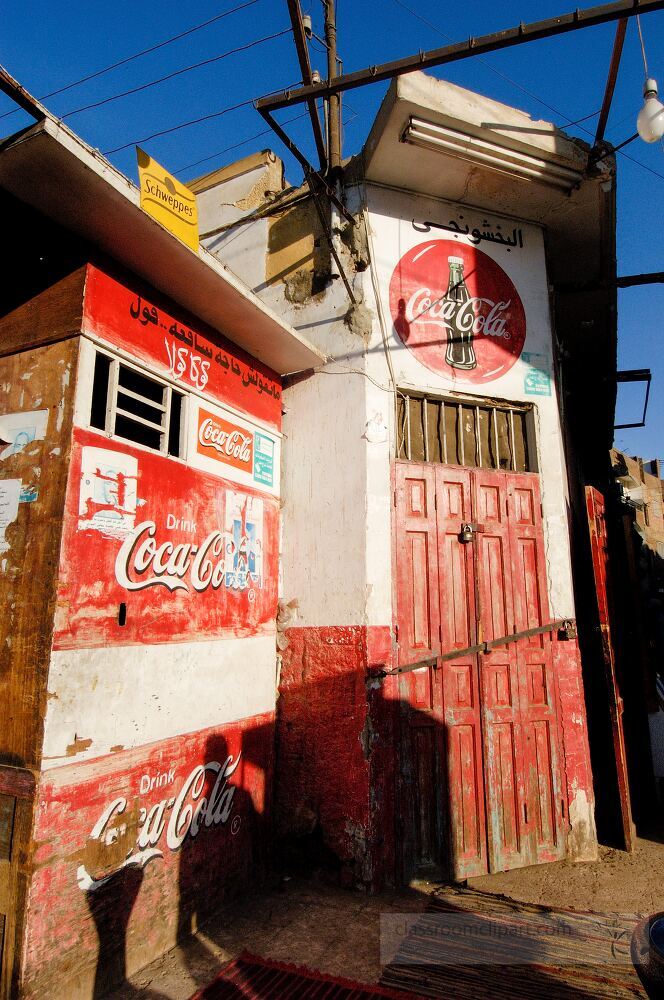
(457, 311)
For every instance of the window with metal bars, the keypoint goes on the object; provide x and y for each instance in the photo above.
(133, 406)
(479, 435)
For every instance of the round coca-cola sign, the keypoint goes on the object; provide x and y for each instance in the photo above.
(457, 311)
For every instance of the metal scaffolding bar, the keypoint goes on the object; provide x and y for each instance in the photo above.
(629, 280)
(306, 166)
(618, 43)
(636, 375)
(463, 50)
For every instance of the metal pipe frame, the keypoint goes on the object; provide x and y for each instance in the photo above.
(618, 43)
(306, 166)
(13, 89)
(573, 21)
(635, 375)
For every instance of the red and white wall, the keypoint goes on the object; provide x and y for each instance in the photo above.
(154, 800)
(411, 239)
(337, 724)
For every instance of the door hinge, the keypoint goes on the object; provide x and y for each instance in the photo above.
(395, 498)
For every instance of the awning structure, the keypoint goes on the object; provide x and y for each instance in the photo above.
(50, 168)
(436, 138)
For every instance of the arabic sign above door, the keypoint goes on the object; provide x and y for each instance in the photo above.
(195, 355)
(456, 309)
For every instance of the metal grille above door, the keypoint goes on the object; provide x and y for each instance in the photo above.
(475, 435)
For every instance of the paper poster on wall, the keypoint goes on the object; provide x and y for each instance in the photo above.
(107, 497)
(458, 311)
(19, 429)
(264, 459)
(224, 441)
(227, 444)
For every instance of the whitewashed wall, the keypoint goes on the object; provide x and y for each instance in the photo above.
(391, 216)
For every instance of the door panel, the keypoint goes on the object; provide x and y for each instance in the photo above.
(422, 781)
(480, 742)
(417, 563)
(499, 673)
(543, 798)
(459, 677)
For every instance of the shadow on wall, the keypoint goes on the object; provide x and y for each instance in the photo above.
(142, 908)
(367, 787)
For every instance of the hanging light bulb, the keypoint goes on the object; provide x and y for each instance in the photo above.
(650, 121)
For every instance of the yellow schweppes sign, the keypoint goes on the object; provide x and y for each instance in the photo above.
(167, 200)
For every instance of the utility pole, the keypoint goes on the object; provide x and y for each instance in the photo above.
(300, 38)
(334, 103)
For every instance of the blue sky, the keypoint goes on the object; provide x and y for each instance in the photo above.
(47, 46)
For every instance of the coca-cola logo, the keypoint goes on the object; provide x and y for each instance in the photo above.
(172, 819)
(222, 559)
(455, 308)
(232, 444)
(224, 441)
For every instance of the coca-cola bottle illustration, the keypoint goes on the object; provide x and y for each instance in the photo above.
(460, 351)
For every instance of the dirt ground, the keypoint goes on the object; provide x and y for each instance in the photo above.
(617, 883)
(314, 923)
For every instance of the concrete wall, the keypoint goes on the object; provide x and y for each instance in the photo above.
(339, 427)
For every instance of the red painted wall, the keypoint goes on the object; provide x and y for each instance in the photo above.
(137, 848)
(153, 329)
(335, 770)
(189, 554)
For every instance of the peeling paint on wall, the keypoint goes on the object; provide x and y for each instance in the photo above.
(582, 840)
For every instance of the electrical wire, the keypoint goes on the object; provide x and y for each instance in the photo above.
(194, 121)
(177, 72)
(236, 145)
(143, 52)
(643, 48)
(176, 128)
(243, 142)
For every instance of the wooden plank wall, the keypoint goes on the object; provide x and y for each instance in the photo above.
(38, 359)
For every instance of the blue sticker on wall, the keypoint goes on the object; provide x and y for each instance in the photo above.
(263, 459)
(537, 379)
(28, 494)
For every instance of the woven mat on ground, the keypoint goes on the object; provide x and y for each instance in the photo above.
(471, 944)
(256, 978)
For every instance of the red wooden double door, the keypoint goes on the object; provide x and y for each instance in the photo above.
(480, 787)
